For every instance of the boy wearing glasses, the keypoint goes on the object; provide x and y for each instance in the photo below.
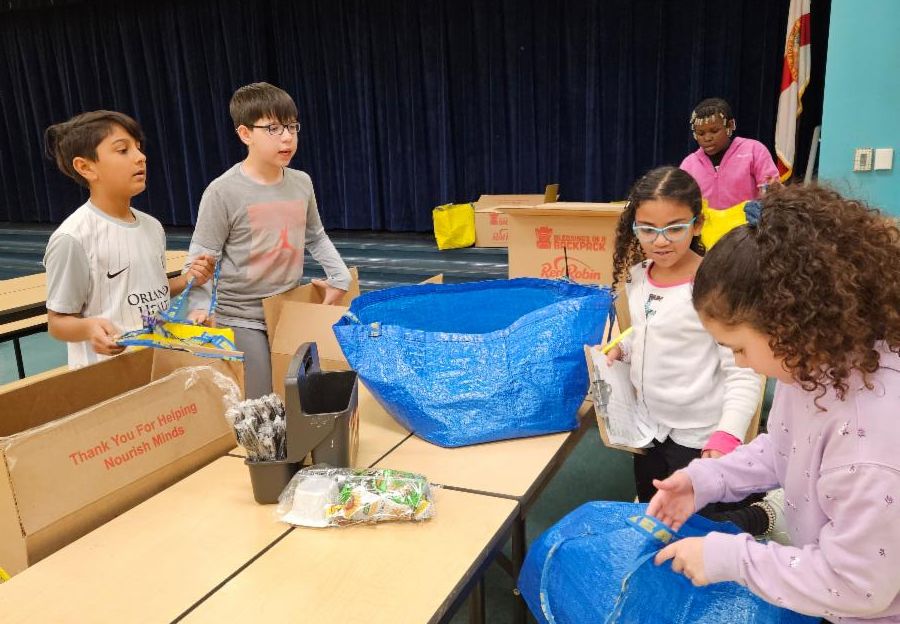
(257, 218)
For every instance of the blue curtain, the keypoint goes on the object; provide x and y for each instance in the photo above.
(404, 104)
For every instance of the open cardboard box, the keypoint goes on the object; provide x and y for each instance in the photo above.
(563, 239)
(299, 316)
(79, 447)
(492, 225)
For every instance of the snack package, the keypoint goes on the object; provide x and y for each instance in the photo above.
(321, 496)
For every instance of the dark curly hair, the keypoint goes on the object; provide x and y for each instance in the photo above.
(819, 274)
(661, 183)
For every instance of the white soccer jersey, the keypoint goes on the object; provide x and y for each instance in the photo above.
(101, 266)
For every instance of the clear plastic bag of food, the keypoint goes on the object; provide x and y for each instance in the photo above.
(321, 496)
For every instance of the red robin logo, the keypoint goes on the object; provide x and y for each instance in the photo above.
(543, 235)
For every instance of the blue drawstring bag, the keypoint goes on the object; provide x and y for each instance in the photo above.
(596, 565)
(462, 364)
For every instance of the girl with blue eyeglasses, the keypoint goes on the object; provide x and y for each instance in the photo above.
(697, 401)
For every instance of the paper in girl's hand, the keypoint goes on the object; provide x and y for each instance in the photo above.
(615, 402)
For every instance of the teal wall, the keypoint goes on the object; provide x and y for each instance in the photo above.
(862, 97)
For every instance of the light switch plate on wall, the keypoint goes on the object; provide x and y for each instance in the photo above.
(884, 158)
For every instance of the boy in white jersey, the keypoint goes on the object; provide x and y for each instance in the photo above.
(106, 262)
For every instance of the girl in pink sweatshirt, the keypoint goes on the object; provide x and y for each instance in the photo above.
(807, 292)
(729, 169)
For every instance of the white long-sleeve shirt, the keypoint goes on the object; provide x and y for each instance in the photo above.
(687, 385)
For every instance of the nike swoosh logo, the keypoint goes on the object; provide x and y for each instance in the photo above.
(112, 275)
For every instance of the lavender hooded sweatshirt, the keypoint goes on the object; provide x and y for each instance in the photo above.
(840, 470)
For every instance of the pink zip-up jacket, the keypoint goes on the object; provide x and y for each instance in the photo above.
(840, 470)
(745, 165)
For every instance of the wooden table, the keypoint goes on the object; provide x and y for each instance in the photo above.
(515, 469)
(26, 297)
(154, 561)
(23, 305)
(394, 572)
(203, 550)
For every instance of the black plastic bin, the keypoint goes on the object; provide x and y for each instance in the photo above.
(269, 478)
(321, 411)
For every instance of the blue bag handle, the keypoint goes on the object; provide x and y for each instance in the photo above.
(655, 531)
(175, 307)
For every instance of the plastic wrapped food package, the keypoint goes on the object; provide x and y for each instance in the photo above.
(321, 496)
(259, 425)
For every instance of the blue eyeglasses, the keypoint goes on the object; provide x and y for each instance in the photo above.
(672, 233)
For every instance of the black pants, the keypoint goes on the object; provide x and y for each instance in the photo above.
(664, 458)
(661, 460)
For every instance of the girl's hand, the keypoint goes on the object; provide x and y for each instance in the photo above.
(687, 559)
(711, 454)
(332, 295)
(614, 354)
(673, 502)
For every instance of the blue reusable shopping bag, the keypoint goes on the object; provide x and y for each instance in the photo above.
(461, 364)
(596, 565)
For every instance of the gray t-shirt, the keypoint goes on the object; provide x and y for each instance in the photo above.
(259, 231)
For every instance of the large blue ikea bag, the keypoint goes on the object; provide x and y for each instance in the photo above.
(467, 363)
(596, 565)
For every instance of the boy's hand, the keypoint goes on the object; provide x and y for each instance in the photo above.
(102, 334)
(674, 501)
(332, 295)
(201, 269)
(687, 559)
(614, 354)
(201, 317)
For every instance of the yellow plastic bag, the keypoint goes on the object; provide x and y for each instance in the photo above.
(454, 225)
(717, 223)
(167, 330)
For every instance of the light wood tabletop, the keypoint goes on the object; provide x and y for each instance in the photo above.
(508, 468)
(154, 561)
(392, 572)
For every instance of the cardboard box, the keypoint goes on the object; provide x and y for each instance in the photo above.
(491, 225)
(543, 237)
(299, 316)
(80, 447)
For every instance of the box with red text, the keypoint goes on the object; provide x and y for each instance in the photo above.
(80, 447)
(563, 239)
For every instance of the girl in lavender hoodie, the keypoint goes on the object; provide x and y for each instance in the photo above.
(808, 292)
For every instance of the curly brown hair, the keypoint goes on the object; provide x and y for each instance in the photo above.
(819, 274)
(661, 183)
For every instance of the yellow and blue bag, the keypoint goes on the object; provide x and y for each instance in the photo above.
(454, 225)
(167, 329)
